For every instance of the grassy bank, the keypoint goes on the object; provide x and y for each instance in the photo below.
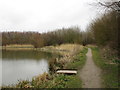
(63, 49)
(51, 81)
(109, 71)
(73, 57)
(60, 80)
(18, 47)
(78, 60)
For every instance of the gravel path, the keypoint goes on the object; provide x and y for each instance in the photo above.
(90, 73)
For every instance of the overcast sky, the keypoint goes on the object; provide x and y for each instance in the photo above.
(45, 15)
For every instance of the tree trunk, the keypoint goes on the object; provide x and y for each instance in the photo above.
(118, 24)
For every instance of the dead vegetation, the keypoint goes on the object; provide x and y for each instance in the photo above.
(67, 51)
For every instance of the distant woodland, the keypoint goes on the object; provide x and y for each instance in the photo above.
(68, 35)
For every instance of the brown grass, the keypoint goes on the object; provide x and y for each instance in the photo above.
(18, 47)
(64, 49)
(68, 51)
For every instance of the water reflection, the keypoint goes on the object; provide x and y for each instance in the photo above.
(23, 65)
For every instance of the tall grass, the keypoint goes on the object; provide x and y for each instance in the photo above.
(79, 60)
(109, 71)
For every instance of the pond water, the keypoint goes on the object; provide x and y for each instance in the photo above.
(22, 65)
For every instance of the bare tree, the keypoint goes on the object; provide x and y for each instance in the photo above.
(114, 6)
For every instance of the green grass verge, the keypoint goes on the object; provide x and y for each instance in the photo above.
(77, 63)
(79, 60)
(71, 81)
(109, 71)
(48, 81)
(64, 81)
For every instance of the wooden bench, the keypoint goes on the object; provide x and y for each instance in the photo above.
(66, 71)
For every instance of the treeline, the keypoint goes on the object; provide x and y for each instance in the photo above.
(106, 34)
(21, 38)
(65, 35)
(105, 30)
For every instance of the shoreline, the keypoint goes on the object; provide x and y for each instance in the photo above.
(69, 52)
